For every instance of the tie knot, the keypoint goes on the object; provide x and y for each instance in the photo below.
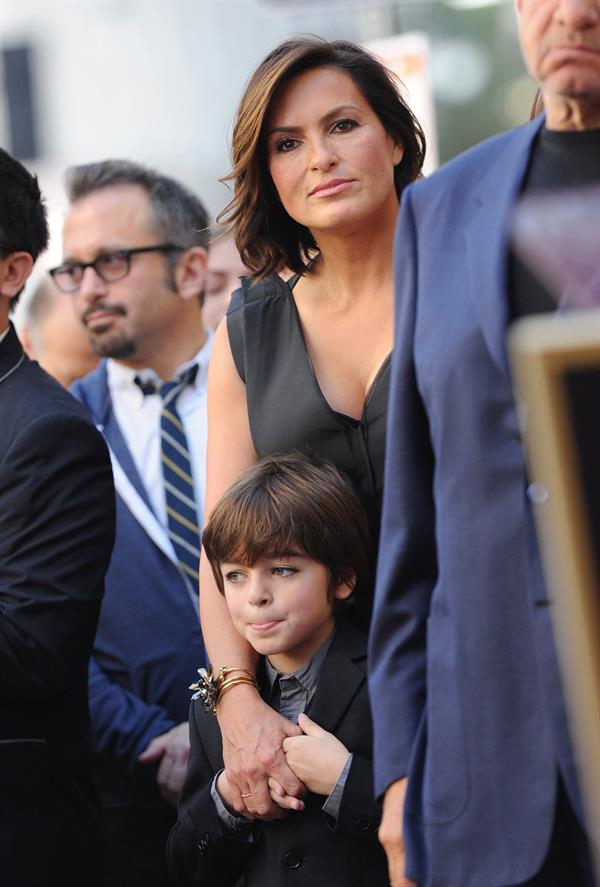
(168, 389)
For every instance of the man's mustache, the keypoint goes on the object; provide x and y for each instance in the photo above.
(102, 306)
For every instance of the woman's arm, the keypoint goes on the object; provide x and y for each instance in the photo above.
(252, 732)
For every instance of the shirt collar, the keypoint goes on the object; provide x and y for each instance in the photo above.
(121, 377)
(306, 675)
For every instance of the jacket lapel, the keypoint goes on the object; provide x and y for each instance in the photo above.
(128, 483)
(341, 676)
(487, 236)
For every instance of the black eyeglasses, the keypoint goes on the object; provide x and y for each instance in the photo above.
(109, 266)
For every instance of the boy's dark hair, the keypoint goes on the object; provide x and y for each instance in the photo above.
(23, 223)
(289, 502)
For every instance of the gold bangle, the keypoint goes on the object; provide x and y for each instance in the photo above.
(209, 688)
(234, 682)
(228, 669)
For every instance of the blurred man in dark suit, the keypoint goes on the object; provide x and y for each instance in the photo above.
(56, 536)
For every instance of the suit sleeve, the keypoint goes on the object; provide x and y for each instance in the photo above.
(358, 816)
(123, 725)
(56, 536)
(407, 566)
(199, 850)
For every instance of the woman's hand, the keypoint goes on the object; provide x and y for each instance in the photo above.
(317, 757)
(391, 833)
(253, 735)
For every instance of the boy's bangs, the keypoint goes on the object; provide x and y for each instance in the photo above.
(253, 534)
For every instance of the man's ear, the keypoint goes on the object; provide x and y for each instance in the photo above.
(190, 273)
(345, 589)
(14, 271)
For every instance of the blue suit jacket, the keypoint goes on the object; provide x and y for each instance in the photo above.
(464, 681)
(149, 643)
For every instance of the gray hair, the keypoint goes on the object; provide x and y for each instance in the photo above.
(179, 215)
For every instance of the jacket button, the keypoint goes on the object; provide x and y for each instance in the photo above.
(538, 494)
(363, 823)
(292, 859)
(204, 843)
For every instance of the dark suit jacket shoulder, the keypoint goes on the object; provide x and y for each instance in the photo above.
(306, 848)
(56, 534)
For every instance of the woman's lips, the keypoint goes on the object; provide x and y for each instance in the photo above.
(329, 189)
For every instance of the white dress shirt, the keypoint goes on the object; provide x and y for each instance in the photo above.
(138, 416)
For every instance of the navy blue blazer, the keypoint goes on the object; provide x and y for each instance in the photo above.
(149, 644)
(464, 679)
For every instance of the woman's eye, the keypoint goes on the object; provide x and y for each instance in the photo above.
(344, 125)
(285, 145)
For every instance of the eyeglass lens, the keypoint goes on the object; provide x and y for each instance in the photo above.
(109, 266)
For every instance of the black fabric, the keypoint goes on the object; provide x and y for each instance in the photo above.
(306, 849)
(135, 847)
(558, 160)
(568, 859)
(56, 534)
(288, 411)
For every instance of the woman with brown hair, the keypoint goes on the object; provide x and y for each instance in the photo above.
(323, 145)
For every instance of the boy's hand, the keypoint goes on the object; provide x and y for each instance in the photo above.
(317, 758)
(286, 802)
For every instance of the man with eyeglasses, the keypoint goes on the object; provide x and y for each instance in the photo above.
(135, 253)
(57, 526)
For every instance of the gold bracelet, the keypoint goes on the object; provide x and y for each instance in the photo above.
(233, 682)
(209, 688)
(228, 669)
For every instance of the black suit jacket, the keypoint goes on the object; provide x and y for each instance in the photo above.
(56, 536)
(307, 849)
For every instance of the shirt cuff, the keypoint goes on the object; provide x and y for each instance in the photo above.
(237, 825)
(332, 805)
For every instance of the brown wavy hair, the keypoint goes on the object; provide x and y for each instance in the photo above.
(267, 238)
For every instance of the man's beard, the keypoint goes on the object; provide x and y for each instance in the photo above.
(117, 346)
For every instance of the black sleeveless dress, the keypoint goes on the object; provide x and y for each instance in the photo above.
(288, 411)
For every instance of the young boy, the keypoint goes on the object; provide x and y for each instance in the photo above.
(287, 544)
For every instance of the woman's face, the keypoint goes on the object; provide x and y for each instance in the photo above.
(330, 158)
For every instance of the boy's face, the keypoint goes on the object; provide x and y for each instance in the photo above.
(282, 606)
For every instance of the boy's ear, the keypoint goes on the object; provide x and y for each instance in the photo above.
(345, 589)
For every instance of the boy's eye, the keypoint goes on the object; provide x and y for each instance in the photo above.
(234, 576)
(284, 571)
